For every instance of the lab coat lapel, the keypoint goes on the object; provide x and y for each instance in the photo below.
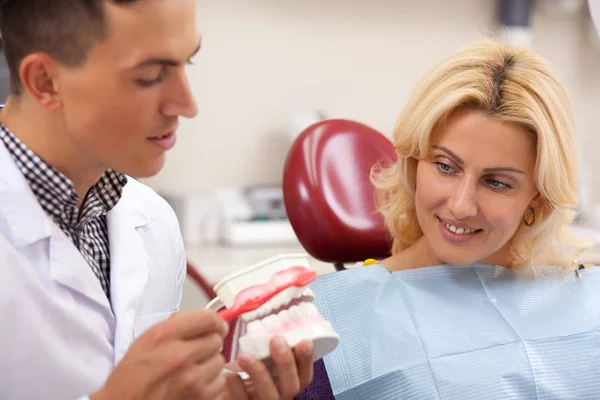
(29, 225)
(26, 221)
(68, 268)
(129, 268)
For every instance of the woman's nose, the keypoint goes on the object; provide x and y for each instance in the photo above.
(463, 201)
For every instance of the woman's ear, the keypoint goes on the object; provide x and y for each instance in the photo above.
(536, 201)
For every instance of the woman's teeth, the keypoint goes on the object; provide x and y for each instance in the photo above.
(459, 231)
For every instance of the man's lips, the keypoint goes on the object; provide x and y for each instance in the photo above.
(165, 141)
(166, 133)
(160, 137)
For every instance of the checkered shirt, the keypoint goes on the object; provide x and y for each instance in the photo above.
(56, 194)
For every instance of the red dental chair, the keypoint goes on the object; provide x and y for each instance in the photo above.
(328, 194)
(203, 284)
(329, 199)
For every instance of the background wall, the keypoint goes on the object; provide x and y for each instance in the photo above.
(264, 60)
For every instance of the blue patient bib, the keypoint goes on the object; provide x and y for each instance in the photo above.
(469, 332)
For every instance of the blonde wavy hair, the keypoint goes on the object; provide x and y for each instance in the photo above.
(509, 84)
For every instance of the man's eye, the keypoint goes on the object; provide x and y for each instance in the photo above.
(149, 82)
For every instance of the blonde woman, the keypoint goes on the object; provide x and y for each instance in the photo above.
(482, 297)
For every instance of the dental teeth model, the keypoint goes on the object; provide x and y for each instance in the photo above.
(291, 313)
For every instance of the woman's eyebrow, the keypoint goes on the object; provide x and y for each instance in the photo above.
(451, 154)
(502, 169)
(486, 170)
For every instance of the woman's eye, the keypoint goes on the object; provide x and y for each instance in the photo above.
(444, 168)
(495, 184)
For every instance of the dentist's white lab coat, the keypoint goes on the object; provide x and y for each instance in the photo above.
(59, 336)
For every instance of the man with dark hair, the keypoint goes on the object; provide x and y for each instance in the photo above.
(91, 261)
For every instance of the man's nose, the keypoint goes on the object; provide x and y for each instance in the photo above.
(180, 102)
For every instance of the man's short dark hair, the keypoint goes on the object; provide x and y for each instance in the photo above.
(64, 29)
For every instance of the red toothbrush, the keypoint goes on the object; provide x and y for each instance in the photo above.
(253, 297)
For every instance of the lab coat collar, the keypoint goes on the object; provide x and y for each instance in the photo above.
(30, 227)
(25, 219)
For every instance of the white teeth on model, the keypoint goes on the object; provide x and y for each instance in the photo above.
(250, 316)
(460, 231)
(295, 313)
(269, 321)
(279, 300)
(284, 315)
(253, 326)
(261, 321)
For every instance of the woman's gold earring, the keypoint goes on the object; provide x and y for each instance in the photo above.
(531, 220)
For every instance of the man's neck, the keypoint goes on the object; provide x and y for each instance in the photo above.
(45, 134)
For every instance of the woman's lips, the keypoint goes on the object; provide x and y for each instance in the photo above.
(455, 234)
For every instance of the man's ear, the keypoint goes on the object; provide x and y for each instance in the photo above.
(38, 78)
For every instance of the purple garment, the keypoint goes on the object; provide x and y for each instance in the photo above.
(319, 388)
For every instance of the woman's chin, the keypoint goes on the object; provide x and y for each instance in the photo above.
(457, 259)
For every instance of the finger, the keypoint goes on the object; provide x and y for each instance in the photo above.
(202, 379)
(177, 355)
(214, 389)
(211, 368)
(192, 324)
(263, 383)
(287, 375)
(187, 325)
(206, 347)
(304, 352)
(236, 388)
(233, 366)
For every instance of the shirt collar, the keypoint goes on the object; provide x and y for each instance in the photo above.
(55, 192)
